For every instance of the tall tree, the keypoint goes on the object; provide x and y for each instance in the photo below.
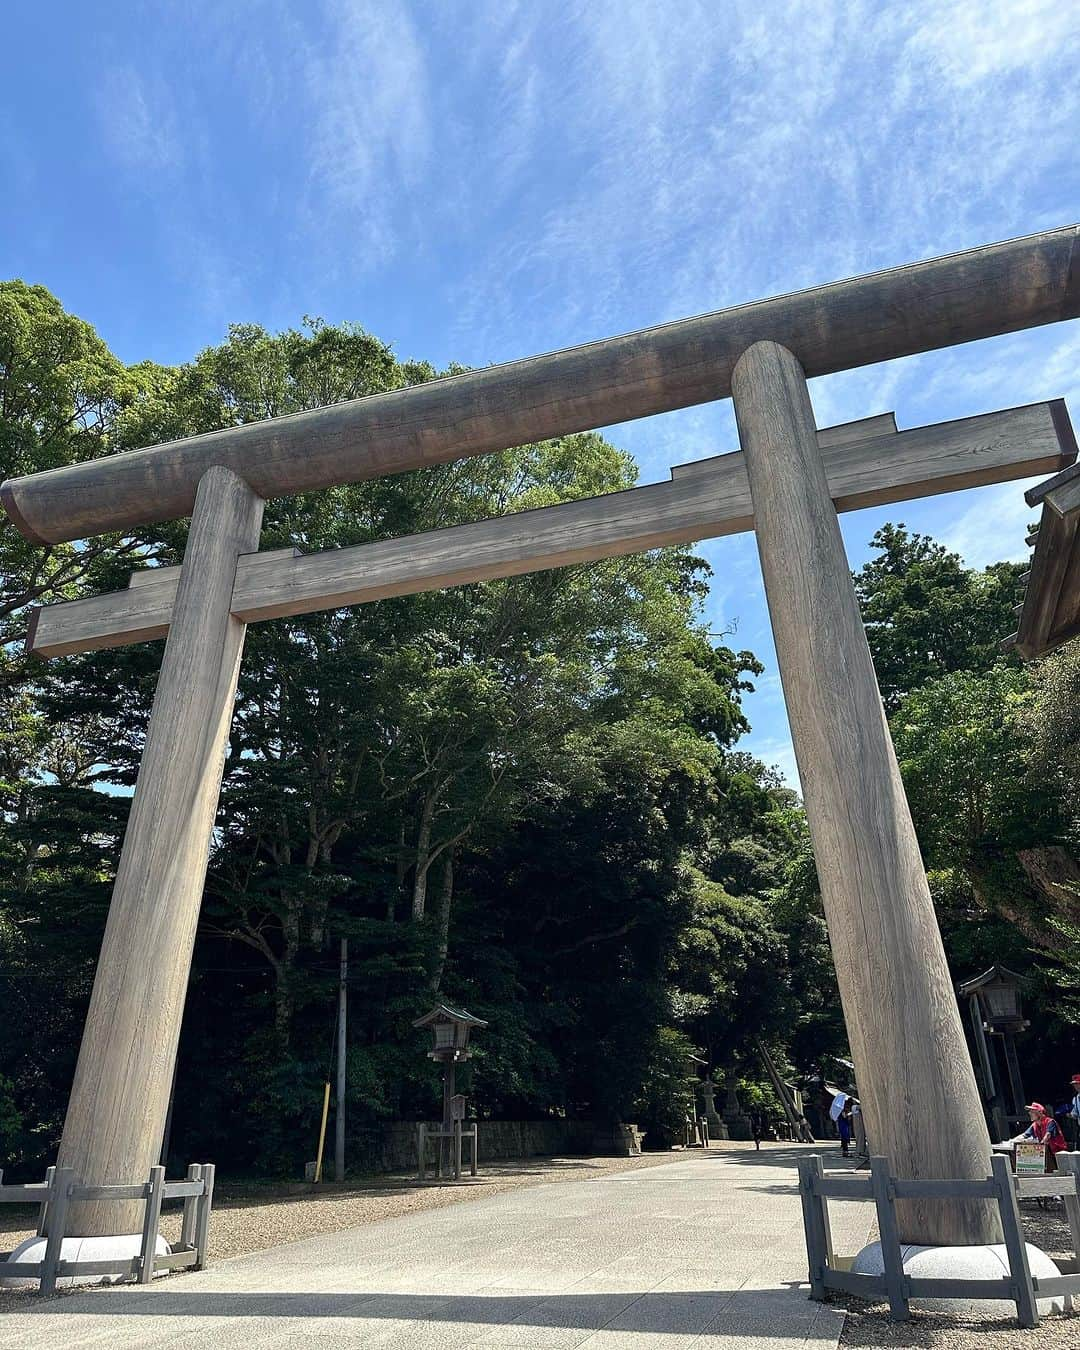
(926, 614)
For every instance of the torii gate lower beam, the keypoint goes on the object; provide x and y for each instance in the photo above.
(868, 463)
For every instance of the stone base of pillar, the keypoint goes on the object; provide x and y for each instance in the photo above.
(717, 1128)
(620, 1141)
(120, 1249)
(738, 1127)
(962, 1263)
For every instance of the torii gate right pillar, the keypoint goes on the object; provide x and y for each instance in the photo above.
(915, 1078)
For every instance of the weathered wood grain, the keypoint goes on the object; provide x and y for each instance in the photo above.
(847, 433)
(915, 1079)
(937, 303)
(120, 1096)
(703, 500)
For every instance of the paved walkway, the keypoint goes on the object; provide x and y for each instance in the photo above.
(704, 1252)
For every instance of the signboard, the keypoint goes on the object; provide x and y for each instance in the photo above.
(1030, 1158)
(457, 1107)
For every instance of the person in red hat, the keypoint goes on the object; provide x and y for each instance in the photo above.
(1043, 1129)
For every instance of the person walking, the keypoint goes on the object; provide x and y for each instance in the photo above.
(1074, 1109)
(844, 1125)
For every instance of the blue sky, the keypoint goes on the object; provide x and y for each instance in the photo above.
(484, 181)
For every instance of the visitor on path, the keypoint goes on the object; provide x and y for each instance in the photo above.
(1043, 1130)
(756, 1129)
(858, 1125)
(844, 1125)
(1074, 1107)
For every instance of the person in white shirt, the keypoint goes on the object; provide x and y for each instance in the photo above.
(1074, 1108)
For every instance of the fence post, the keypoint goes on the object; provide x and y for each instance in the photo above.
(43, 1209)
(475, 1137)
(889, 1239)
(187, 1226)
(63, 1179)
(1027, 1310)
(816, 1225)
(1069, 1163)
(151, 1220)
(202, 1214)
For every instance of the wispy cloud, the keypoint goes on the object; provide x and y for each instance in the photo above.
(366, 84)
(993, 528)
(139, 120)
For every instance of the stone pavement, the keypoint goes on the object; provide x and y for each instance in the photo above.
(705, 1252)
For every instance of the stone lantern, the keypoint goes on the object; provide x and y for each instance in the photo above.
(450, 1032)
(997, 1016)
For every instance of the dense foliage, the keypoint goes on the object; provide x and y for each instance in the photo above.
(990, 755)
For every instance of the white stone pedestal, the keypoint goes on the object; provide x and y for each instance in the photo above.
(122, 1248)
(961, 1263)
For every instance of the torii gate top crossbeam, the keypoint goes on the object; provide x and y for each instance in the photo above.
(1000, 288)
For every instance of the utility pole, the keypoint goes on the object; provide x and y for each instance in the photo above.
(339, 1119)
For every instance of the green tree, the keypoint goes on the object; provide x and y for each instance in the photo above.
(61, 394)
(927, 615)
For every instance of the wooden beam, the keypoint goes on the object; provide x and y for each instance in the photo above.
(829, 438)
(916, 1083)
(701, 501)
(937, 303)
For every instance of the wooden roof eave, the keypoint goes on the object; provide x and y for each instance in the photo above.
(1050, 613)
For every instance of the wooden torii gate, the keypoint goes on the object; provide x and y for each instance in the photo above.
(787, 483)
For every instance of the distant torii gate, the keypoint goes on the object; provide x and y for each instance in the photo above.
(914, 1074)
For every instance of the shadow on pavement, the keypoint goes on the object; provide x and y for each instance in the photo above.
(766, 1313)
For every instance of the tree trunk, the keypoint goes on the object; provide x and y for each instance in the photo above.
(400, 869)
(284, 1003)
(442, 920)
(423, 855)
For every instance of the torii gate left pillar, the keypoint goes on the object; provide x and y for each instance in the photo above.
(116, 1115)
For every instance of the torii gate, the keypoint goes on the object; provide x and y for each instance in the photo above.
(788, 482)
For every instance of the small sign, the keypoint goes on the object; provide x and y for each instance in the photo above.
(457, 1107)
(1030, 1158)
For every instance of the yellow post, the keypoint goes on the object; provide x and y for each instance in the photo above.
(322, 1130)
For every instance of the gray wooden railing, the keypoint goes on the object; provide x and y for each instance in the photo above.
(829, 1272)
(60, 1189)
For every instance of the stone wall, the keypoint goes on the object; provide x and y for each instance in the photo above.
(393, 1148)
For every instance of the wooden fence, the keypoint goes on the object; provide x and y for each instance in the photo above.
(830, 1272)
(60, 1190)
